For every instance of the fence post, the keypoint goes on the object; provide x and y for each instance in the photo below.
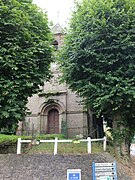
(89, 145)
(55, 146)
(19, 146)
(104, 143)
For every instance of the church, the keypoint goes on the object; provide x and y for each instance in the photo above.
(56, 109)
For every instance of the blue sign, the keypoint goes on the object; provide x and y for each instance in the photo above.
(74, 174)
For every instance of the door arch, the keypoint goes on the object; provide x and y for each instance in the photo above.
(53, 121)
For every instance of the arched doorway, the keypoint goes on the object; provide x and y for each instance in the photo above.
(53, 121)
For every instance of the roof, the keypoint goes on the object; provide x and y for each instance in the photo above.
(57, 29)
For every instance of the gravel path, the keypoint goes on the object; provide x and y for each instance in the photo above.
(49, 167)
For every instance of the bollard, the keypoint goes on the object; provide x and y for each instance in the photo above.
(89, 145)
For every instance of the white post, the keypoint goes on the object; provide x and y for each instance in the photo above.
(55, 146)
(19, 146)
(104, 143)
(89, 145)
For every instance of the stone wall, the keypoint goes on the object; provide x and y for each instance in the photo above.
(11, 148)
(8, 148)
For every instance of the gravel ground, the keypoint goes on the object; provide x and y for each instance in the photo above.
(49, 167)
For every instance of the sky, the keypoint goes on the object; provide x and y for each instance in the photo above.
(58, 11)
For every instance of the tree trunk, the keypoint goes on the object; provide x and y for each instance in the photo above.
(121, 136)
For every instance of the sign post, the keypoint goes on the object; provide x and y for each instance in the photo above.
(74, 174)
(104, 171)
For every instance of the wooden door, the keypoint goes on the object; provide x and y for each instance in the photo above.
(53, 121)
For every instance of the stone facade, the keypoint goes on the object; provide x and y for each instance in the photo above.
(56, 109)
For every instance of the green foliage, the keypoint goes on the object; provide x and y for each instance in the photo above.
(7, 138)
(25, 57)
(13, 138)
(98, 57)
(9, 130)
(108, 133)
(133, 140)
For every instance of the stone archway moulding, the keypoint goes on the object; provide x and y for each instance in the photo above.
(47, 106)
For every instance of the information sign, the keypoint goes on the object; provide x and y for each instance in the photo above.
(74, 174)
(104, 171)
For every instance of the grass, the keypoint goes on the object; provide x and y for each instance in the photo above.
(8, 138)
(13, 138)
(66, 148)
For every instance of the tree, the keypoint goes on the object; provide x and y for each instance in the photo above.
(25, 57)
(98, 62)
